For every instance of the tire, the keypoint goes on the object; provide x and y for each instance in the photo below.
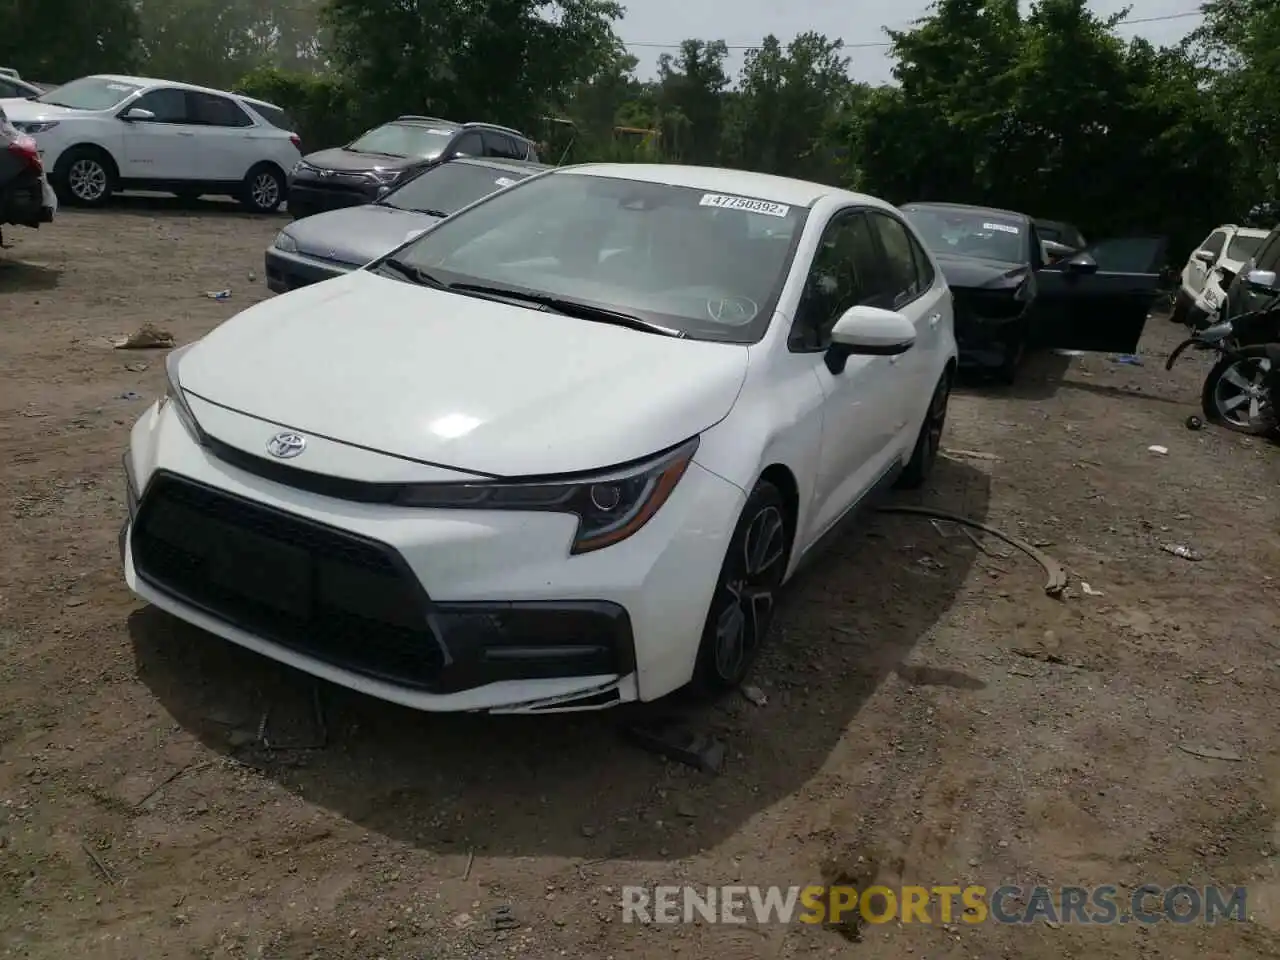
(1181, 308)
(1221, 388)
(744, 602)
(85, 177)
(263, 189)
(1015, 348)
(929, 440)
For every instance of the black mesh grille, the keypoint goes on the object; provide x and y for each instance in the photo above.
(321, 591)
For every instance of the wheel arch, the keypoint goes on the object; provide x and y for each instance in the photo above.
(271, 165)
(56, 166)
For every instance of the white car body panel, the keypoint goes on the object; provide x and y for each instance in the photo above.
(160, 151)
(1202, 282)
(396, 383)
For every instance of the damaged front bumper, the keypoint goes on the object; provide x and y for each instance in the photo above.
(987, 324)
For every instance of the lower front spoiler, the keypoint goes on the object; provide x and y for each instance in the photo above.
(537, 694)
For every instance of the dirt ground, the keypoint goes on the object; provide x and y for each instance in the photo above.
(933, 717)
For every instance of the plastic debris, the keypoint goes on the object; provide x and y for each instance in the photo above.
(220, 295)
(1210, 753)
(131, 395)
(1156, 448)
(1062, 352)
(755, 695)
(1194, 423)
(1182, 550)
(148, 337)
(698, 750)
(1089, 591)
(1127, 359)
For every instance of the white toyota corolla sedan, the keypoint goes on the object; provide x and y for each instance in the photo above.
(559, 452)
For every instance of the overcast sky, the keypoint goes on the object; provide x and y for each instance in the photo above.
(652, 27)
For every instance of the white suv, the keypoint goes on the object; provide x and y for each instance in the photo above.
(100, 134)
(1210, 270)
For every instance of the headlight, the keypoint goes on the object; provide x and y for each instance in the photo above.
(285, 243)
(610, 506)
(36, 126)
(299, 167)
(174, 396)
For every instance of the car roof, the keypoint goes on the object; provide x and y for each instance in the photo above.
(502, 163)
(1253, 232)
(178, 84)
(972, 208)
(763, 186)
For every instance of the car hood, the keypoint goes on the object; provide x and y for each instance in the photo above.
(977, 273)
(475, 385)
(356, 235)
(352, 161)
(28, 110)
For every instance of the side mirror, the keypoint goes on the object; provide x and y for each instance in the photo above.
(1082, 263)
(1262, 281)
(138, 113)
(868, 332)
(1206, 257)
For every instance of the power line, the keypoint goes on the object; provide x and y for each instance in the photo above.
(887, 43)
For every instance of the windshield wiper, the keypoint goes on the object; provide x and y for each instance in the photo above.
(431, 212)
(570, 308)
(407, 271)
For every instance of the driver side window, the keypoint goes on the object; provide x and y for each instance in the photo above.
(843, 274)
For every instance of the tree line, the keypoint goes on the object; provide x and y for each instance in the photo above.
(1050, 111)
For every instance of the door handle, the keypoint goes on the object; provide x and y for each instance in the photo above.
(185, 133)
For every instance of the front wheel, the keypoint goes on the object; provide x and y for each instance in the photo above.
(743, 605)
(1237, 393)
(1015, 349)
(263, 189)
(86, 177)
(1181, 308)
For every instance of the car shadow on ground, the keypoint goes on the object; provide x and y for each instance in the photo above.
(165, 204)
(570, 785)
(22, 276)
(1039, 378)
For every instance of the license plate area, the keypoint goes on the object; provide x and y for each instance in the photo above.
(273, 574)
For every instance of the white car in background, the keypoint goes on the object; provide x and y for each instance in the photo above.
(558, 452)
(1210, 270)
(104, 133)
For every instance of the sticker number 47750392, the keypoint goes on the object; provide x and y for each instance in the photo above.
(726, 202)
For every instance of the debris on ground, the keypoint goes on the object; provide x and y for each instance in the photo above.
(754, 694)
(1056, 580)
(1064, 352)
(1127, 359)
(1210, 753)
(130, 395)
(1089, 591)
(504, 919)
(1194, 423)
(1182, 550)
(136, 367)
(698, 750)
(220, 295)
(147, 337)
(970, 455)
(1157, 449)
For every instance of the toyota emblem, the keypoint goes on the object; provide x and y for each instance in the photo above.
(286, 445)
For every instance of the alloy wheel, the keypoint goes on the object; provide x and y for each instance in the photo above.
(936, 419)
(265, 191)
(87, 179)
(751, 579)
(1241, 394)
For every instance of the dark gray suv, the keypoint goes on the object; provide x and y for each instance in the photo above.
(386, 156)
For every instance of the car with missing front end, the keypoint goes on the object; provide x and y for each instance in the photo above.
(381, 159)
(559, 452)
(330, 244)
(1009, 300)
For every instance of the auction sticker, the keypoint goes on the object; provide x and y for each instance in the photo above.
(1002, 227)
(504, 182)
(726, 202)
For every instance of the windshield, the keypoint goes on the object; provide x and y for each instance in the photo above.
(89, 93)
(404, 140)
(708, 265)
(1243, 246)
(970, 233)
(450, 187)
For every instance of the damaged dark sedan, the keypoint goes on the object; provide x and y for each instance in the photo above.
(1009, 300)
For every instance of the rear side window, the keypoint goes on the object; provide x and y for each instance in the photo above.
(1243, 246)
(909, 271)
(499, 145)
(274, 116)
(211, 111)
(1215, 243)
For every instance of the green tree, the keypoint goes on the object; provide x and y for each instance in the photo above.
(499, 60)
(58, 40)
(690, 100)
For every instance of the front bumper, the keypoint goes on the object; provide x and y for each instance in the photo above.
(310, 195)
(438, 610)
(289, 271)
(23, 201)
(982, 340)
